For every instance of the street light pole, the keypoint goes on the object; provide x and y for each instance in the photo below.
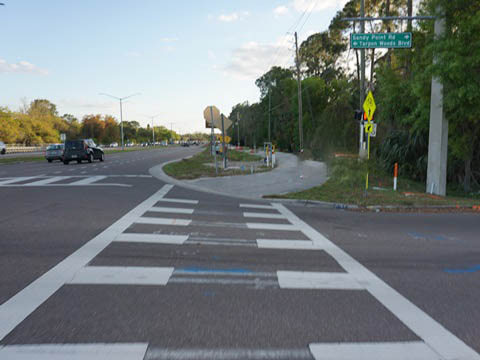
(153, 129)
(121, 114)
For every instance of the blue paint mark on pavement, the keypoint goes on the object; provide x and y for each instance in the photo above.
(419, 236)
(463, 271)
(209, 293)
(200, 269)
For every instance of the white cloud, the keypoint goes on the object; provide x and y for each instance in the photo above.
(251, 60)
(280, 10)
(21, 67)
(233, 16)
(169, 39)
(228, 17)
(317, 5)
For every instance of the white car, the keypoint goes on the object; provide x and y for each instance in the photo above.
(3, 148)
(114, 144)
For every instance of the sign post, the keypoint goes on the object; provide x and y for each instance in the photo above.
(369, 107)
(211, 115)
(224, 151)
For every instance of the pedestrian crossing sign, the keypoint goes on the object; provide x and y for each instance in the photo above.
(369, 106)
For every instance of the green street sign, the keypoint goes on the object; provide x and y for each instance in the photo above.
(381, 40)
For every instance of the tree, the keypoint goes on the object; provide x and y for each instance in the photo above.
(42, 107)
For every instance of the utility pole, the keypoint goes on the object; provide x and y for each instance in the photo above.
(300, 110)
(438, 134)
(269, 110)
(362, 151)
(238, 129)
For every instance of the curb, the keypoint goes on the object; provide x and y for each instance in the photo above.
(157, 171)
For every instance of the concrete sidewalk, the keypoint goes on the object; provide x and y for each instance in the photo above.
(291, 175)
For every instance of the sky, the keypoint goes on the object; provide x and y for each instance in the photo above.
(180, 56)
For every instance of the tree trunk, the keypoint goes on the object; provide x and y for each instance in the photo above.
(409, 29)
(468, 175)
(387, 13)
(372, 67)
(409, 13)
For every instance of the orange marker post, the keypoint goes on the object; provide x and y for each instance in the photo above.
(395, 175)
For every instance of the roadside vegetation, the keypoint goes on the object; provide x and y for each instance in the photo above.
(401, 83)
(39, 123)
(203, 165)
(347, 181)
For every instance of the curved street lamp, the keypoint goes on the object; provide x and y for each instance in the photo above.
(121, 116)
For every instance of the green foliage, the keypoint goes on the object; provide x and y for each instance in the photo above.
(39, 124)
(349, 173)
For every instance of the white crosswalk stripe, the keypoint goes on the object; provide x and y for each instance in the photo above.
(62, 181)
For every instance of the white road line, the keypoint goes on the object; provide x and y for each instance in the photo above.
(414, 350)
(47, 181)
(57, 172)
(255, 206)
(317, 280)
(152, 238)
(433, 333)
(118, 351)
(263, 215)
(162, 221)
(281, 227)
(260, 283)
(88, 180)
(17, 179)
(171, 210)
(180, 201)
(120, 275)
(227, 354)
(224, 273)
(286, 244)
(22, 304)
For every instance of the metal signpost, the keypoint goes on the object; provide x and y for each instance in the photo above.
(369, 107)
(211, 114)
(381, 40)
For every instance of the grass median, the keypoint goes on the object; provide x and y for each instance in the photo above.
(15, 160)
(203, 165)
(346, 185)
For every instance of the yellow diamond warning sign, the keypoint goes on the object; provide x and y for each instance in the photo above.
(369, 106)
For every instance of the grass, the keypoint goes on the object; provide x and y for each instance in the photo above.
(346, 185)
(200, 165)
(21, 159)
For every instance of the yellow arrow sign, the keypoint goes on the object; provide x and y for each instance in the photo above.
(368, 128)
(369, 106)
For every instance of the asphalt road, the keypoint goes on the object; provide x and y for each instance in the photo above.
(103, 261)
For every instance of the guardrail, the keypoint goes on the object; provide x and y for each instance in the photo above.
(15, 148)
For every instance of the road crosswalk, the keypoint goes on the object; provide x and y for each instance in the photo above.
(72, 180)
(174, 220)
